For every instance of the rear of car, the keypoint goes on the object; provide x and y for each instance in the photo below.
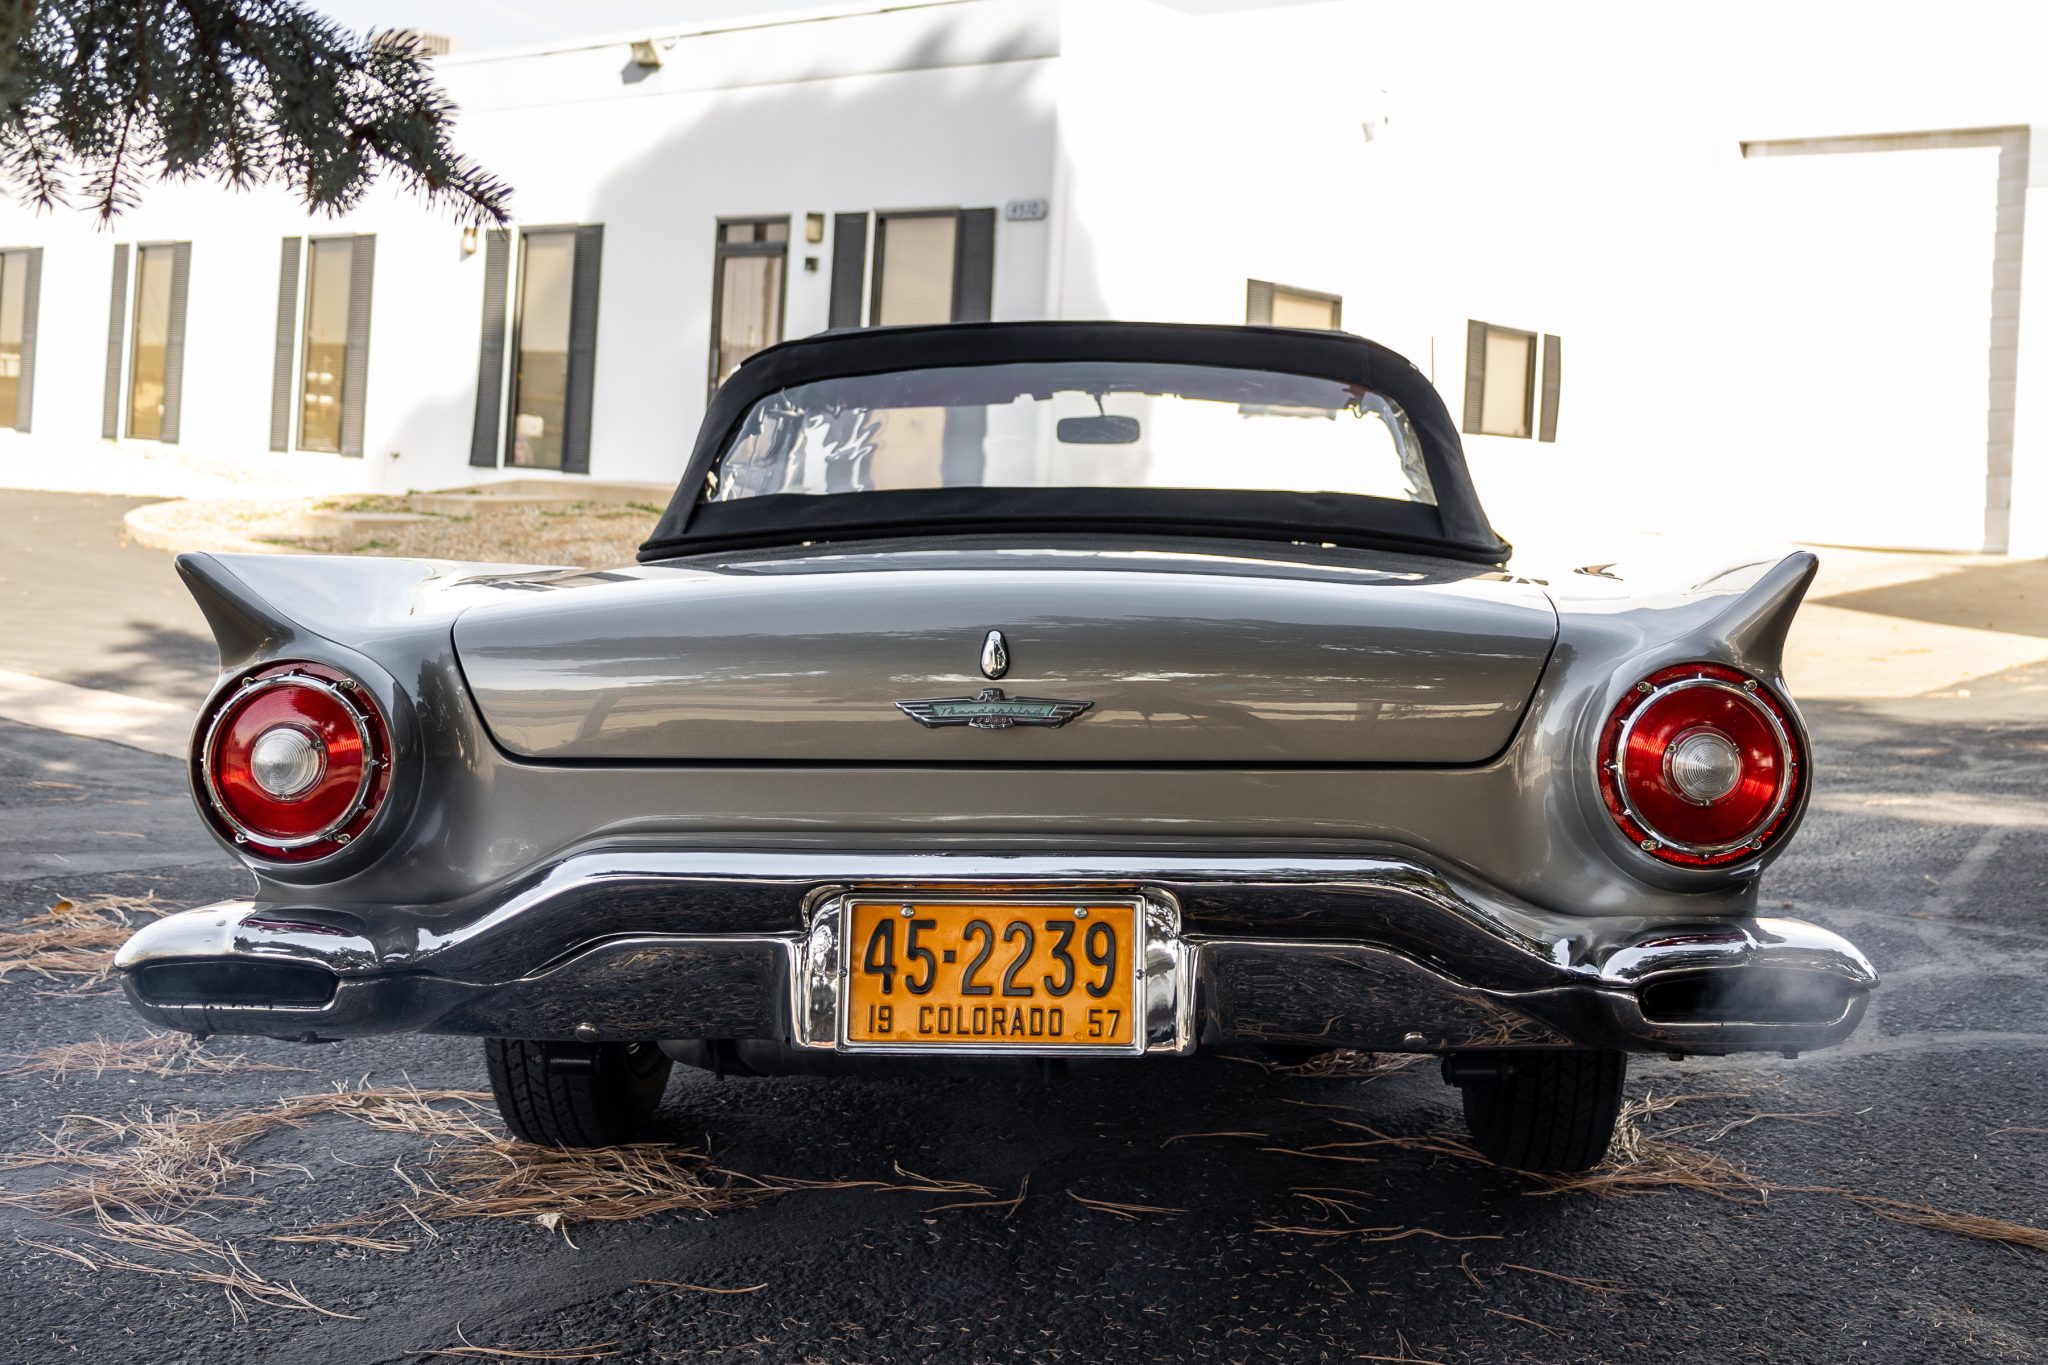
(1005, 691)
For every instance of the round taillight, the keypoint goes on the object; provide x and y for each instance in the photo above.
(1699, 765)
(295, 762)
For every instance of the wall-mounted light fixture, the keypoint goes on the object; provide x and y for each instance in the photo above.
(646, 54)
(469, 240)
(814, 228)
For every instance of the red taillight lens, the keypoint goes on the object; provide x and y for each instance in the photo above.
(1699, 765)
(295, 762)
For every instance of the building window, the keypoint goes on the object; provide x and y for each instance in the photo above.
(551, 304)
(540, 355)
(146, 342)
(322, 362)
(20, 273)
(1279, 305)
(1500, 380)
(913, 268)
(746, 291)
(1501, 393)
(324, 357)
(150, 343)
(931, 265)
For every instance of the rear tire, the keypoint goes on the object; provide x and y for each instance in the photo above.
(1551, 1112)
(576, 1094)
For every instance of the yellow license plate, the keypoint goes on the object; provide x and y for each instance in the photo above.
(995, 974)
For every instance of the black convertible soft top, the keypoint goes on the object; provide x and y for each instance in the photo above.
(1456, 527)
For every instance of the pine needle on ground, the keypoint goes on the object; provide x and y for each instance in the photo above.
(195, 1259)
(153, 1054)
(74, 940)
(1013, 1203)
(1133, 1212)
(501, 1179)
(1385, 1234)
(1640, 1162)
(178, 1160)
(468, 1350)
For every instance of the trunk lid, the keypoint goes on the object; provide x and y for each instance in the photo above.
(1180, 658)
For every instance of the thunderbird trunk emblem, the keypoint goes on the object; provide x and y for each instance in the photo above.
(992, 711)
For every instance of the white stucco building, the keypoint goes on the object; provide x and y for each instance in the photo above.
(1785, 248)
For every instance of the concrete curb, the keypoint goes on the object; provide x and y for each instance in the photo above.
(148, 526)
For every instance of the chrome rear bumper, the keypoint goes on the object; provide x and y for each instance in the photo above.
(1378, 953)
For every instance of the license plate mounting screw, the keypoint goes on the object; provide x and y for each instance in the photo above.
(908, 912)
(1080, 912)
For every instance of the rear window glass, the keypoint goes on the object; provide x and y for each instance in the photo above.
(1089, 424)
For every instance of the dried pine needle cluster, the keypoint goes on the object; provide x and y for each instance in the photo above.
(74, 940)
(124, 1180)
(177, 1160)
(153, 1054)
(493, 1178)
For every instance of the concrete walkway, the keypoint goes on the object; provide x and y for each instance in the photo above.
(150, 471)
(1908, 625)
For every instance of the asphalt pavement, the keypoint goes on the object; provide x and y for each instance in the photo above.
(1925, 846)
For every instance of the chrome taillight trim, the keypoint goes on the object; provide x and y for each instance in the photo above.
(1755, 838)
(373, 758)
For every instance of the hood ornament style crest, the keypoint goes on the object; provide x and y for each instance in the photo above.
(992, 711)
(995, 655)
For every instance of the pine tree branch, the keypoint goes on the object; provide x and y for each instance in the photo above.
(247, 92)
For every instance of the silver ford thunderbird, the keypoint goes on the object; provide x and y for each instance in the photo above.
(1089, 691)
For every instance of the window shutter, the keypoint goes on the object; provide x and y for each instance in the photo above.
(582, 379)
(174, 343)
(1258, 303)
(1552, 361)
(974, 265)
(490, 364)
(1475, 375)
(355, 365)
(117, 334)
(849, 267)
(287, 333)
(31, 299)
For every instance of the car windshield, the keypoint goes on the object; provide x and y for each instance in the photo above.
(1080, 424)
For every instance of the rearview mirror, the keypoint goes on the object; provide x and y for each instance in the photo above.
(1103, 429)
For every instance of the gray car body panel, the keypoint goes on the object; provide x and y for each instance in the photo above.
(1245, 661)
(466, 819)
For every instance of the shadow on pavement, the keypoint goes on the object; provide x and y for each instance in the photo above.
(2010, 598)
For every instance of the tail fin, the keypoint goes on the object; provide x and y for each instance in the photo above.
(244, 626)
(258, 604)
(1755, 620)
